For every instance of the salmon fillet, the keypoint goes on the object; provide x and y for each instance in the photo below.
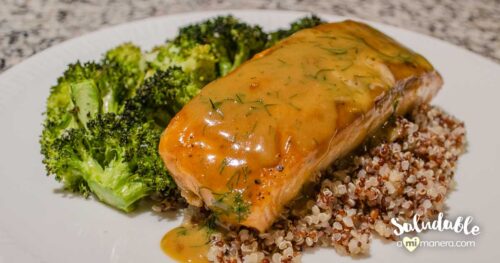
(247, 144)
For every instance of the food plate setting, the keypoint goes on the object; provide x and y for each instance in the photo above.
(250, 136)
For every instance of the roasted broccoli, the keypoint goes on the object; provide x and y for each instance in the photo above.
(113, 157)
(86, 142)
(163, 95)
(224, 40)
(302, 23)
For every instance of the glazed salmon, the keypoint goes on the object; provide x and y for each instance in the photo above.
(246, 145)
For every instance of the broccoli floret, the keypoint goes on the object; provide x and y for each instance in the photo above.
(302, 23)
(60, 106)
(89, 150)
(163, 95)
(125, 68)
(104, 87)
(86, 90)
(113, 157)
(198, 60)
(224, 40)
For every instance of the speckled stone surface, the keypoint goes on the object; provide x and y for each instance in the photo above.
(29, 26)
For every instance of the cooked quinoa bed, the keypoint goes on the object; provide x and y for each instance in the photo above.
(406, 169)
(409, 173)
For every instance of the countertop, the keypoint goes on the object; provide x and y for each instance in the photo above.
(27, 27)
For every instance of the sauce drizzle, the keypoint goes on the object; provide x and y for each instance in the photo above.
(187, 243)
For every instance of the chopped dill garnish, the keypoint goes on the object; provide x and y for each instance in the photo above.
(266, 108)
(223, 165)
(211, 222)
(240, 206)
(335, 51)
(246, 171)
(252, 108)
(253, 127)
(348, 66)
(230, 204)
(182, 231)
(252, 130)
(216, 106)
(322, 71)
(234, 180)
(294, 106)
(282, 61)
(239, 99)
(204, 129)
(395, 105)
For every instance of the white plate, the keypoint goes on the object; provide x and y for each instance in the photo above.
(39, 223)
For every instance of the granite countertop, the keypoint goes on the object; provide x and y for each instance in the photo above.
(27, 27)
